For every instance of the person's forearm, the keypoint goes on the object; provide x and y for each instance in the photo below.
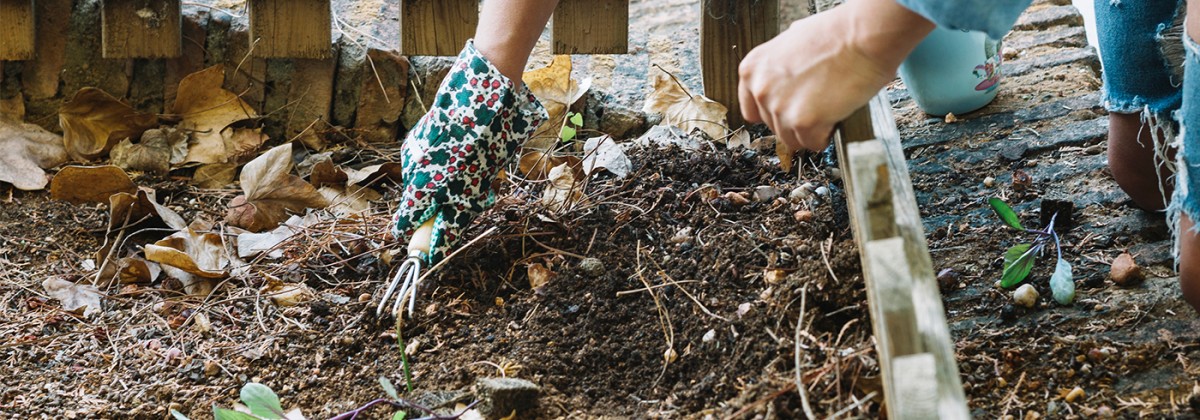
(885, 30)
(508, 30)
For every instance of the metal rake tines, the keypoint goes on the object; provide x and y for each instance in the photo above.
(410, 273)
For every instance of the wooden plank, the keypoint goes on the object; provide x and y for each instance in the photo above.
(437, 27)
(916, 386)
(17, 32)
(891, 215)
(729, 29)
(591, 27)
(141, 28)
(291, 28)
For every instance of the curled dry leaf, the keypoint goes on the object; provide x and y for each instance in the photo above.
(325, 173)
(604, 153)
(192, 257)
(350, 200)
(139, 206)
(539, 275)
(556, 90)
(250, 244)
(93, 121)
(90, 184)
(564, 189)
(207, 110)
(287, 294)
(137, 270)
(683, 109)
(214, 175)
(371, 175)
(155, 153)
(536, 166)
(25, 149)
(74, 296)
(271, 191)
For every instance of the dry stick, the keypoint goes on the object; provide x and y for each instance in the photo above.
(116, 243)
(825, 257)
(664, 317)
(857, 403)
(1012, 395)
(643, 289)
(686, 292)
(797, 352)
(761, 401)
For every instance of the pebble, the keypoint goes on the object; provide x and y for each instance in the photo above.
(683, 235)
(800, 193)
(737, 199)
(989, 182)
(947, 278)
(822, 191)
(1075, 394)
(951, 119)
(365, 297)
(803, 216)
(1125, 271)
(500, 397)
(835, 173)
(765, 193)
(743, 309)
(1025, 296)
(211, 368)
(1051, 408)
(593, 267)
(709, 336)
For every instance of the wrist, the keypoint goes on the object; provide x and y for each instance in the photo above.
(884, 30)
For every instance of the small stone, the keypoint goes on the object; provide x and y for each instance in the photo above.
(1009, 53)
(709, 336)
(1104, 412)
(822, 191)
(1125, 271)
(670, 355)
(774, 276)
(800, 193)
(1014, 151)
(1032, 415)
(947, 278)
(1075, 394)
(592, 267)
(950, 118)
(500, 397)
(683, 235)
(989, 182)
(765, 193)
(737, 199)
(622, 123)
(835, 173)
(1052, 408)
(803, 216)
(743, 309)
(1025, 296)
(365, 297)
(211, 368)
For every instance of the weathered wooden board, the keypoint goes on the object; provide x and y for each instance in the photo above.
(291, 28)
(16, 30)
(729, 29)
(141, 28)
(591, 27)
(437, 27)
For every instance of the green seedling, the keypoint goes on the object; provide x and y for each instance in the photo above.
(259, 400)
(1018, 260)
(571, 127)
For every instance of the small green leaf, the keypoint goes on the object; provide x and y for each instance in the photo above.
(577, 119)
(567, 133)
(389, 388)
(227, 414)
(262, 401)
(177, 415)
(399, 415)
(1062, 283)
(1018, 262)
(1005, 212)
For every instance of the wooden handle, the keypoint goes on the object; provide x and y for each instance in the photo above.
(422, 237)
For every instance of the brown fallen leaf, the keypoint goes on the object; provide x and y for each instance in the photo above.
(325, 173)
(93, 121)
(684, 109)
(25, 149)
(137, 270)
(536, 166)
(271, 192)
(74, 296)
(153, 156)
(194, 258)
(214, 175)
(539, 275)
(349, 200)
(138, 207)
(287, 294)
(90, 184)
(557, 91)
(206, 111)
(374, 174)
(564, 189)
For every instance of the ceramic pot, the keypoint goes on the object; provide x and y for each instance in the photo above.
(953, 71)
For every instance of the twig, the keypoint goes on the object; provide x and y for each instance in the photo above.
(856, 404)
(799, 372)
(825, 257)
(116, 243)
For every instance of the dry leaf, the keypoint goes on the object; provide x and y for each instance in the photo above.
(90, 184)
(24, 150)
(371, 175)
(74, 296)
(350, 200)
(604, 153)
(555, 89)
(192, 257)
(214, 175)
(739, 138)
(564, 189)
(287, 294)
(207, 110)
(137, 270)
(536, 166)
(138, 206)
(151, 155)
(539, 275)
(250, 244)
(683, 109)
(325, 173)
(786, 155)
(271, 191)
(93, 121)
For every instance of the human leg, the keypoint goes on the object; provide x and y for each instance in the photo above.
(1140, 92)
(1187, 196)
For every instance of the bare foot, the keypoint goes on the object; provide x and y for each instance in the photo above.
(1131, 160)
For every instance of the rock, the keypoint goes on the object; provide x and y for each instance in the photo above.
(1075, 394)
(211, 368)
(709, 336)
(737, 199)
(1042, 18)
(592, 267)
(822, 191)
(948, 279)
(1125, 271)
(1009, 53)
(428, 74)
(499, 397)
(803, 216)
(989, 182)
(802, 192)
(379, 110)
(765, 193)
(1014, 150)
(1025, 296)
(622, 123)
(951, 118)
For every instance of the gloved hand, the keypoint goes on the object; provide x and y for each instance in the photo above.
(478, 121)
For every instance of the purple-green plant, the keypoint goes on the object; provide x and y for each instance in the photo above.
(1019, 259)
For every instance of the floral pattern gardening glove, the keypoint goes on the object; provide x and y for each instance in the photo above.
(476, 124)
